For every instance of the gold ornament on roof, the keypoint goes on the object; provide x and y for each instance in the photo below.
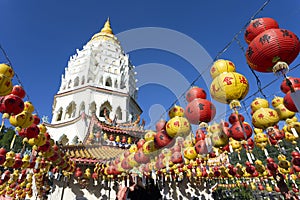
(107, 28)
(106, 33)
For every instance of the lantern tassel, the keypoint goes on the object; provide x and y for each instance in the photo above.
(266, 153)
(13, 141)
(2, 125)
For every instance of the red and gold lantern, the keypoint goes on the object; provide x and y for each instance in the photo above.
(200, 110)
(271, 46)
(258, 26)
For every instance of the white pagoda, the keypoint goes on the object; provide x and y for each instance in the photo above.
(99, 80)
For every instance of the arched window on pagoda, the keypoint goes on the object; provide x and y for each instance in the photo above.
(116, 84)
(108, 82)
(76, 81)
(106, 105)
(92, 109)
(90, 79)
(70, 82)
(119, 113)
(59, 114)
(71, 110)
(81, 108)
(82, 80)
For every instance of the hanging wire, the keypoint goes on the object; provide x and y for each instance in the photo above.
(252, 71)
(235, 37)
(16, 75)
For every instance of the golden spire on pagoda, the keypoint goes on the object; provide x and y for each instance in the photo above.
(106, 33)
(106, 28)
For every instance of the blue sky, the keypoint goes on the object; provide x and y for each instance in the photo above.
(40, 36)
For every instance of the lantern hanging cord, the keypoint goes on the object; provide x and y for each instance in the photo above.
(217, 57)
(258, 82)
(16, 75)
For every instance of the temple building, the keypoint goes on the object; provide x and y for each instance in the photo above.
(95, 111)
(98, 84)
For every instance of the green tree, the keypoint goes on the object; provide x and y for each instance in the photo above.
(6, 138)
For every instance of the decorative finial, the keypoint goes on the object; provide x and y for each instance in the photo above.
(107, 28)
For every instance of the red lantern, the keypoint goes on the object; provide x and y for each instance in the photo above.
(19, 91)
(111, 137)
(140, 143)
(140, 157)
(234, 117)
(36, 119)
(177, 157)
(194, 93)
(240, 131)
(232, 170)
(2, 156)
(45, 147)
(250, 168)
(285, 87)
(258, 26)
(160, 125)
(18, 161)
(249, 144)
(201, 147)
(32, 131)
(78, 172)
(271, 46)
(176, 148)
(95, 175)
(125, 164)
(161, 139)
(288, 101)
(200, 135)
(295, 158)
(11, 104)
(124, 140)
(200, 110)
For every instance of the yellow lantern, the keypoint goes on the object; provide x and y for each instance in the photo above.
(129, 141)
(218, 137)
(260, 139)
(28, 106)
(22, 120)
(117, 138)
(5, 85)
(6, 70)
(188, 143)
(259, 103)
(42, 139)
(176, 111)
(190, 153)
(221, 66)
(133, 148)
(149, 135)
(229, 86)
(42, 128)
(264, 118)
(10, 159)
(281, 110)
(149, 147)
(178, 126)
(131, 160)
(236, 145)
